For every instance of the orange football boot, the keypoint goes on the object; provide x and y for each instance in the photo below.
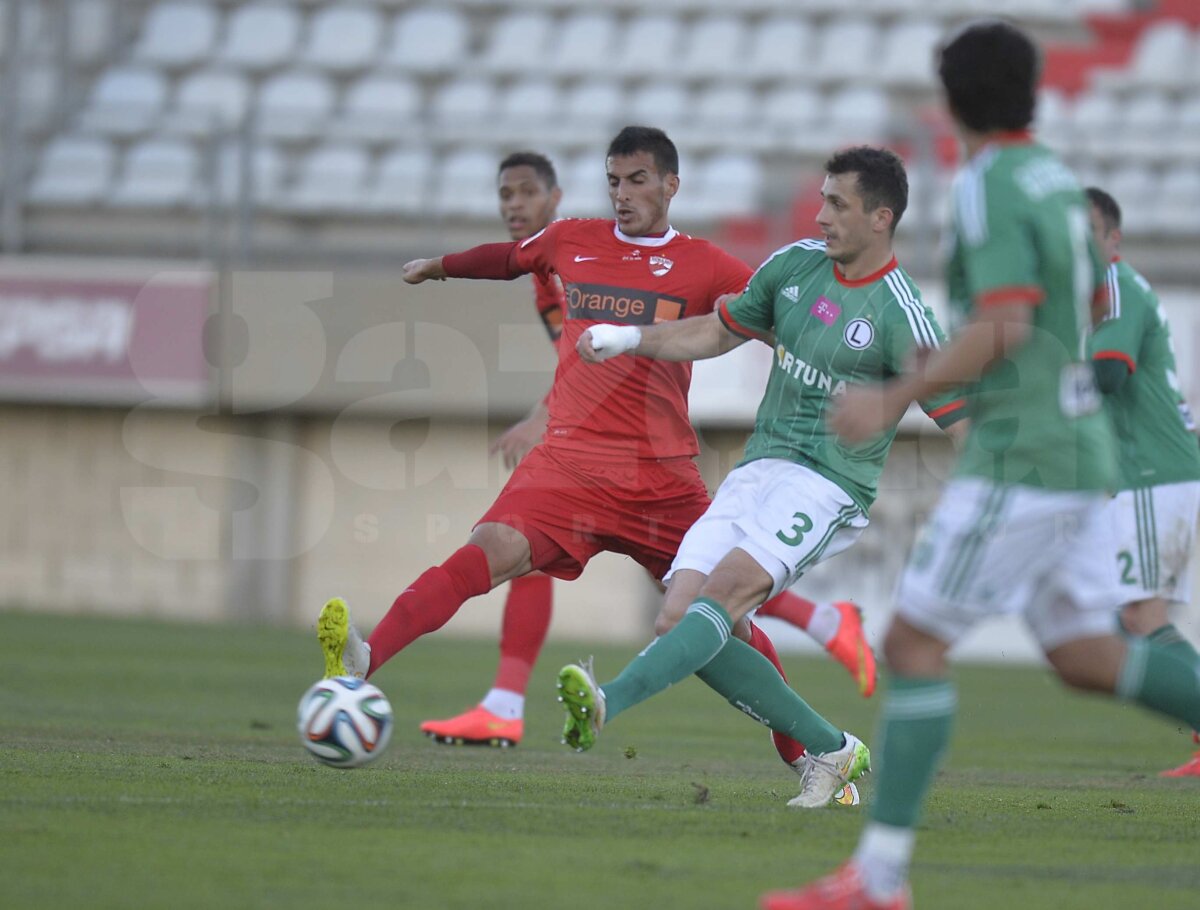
(843, 890)
(849, 648)
(477, 727)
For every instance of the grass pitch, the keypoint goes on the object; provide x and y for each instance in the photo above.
(157, 765)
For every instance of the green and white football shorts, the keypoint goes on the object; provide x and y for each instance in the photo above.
(990, 550)
(786, 516)
(1154, 529)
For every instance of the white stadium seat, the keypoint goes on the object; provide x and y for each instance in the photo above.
(1134, 188)
(466, 185)
(845, 50)
(178, 35)
(331, 178)
(907, 55)
(261, 36)
(592, 111)
(379, 107)
(209, 100)
(720, 111)
(515, 41)
(294, 105)
(73, 171)
(780, 50)
(1179, 191)
(714, 46)
(791, 118)
(343, 39)
(661, 104)
(464, 108)
(402, 182)
(427, 40)
(1163, 55)
(529, 112)
(857, 114)
(648, 46)
(158, 173)
(126, 101)
(585, 186)
(261, 185)
(1093, 119)
(1146, 125)
(1050, 119)
(732, 185)
(583, 45)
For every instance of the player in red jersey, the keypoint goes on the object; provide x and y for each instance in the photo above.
(529, 194)
(616, 470)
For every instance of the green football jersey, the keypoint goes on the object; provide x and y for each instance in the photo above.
(829, 332)
(1155, 433)
(1019, 230)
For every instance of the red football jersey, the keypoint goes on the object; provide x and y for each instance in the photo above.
(627, 406)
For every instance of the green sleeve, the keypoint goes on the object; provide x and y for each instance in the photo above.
(752, 313)
(997, 248)
(911, 327)
(1119, 337)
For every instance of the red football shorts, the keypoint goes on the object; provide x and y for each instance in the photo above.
(570, 509)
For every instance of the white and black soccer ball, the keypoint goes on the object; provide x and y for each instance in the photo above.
(345, 722)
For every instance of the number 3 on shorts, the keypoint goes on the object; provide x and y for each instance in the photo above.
(796, 532)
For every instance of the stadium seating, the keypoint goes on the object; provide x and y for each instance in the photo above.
(343, 39)
(294, 105)
(178, 35)
(401, 182)
(73, 171)
(378, 107)
(208, 101)
(157, 174)
(404, 100)
(126, 101)
(331, 178)
(260, 36)
(427, 40)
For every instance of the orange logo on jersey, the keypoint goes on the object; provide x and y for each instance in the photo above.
(631, 306)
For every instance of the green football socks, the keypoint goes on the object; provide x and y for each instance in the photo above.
(1158, 679)
(697, 638)
(914, 730)
(751, 684)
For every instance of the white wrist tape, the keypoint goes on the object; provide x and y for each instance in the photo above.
(611, 340)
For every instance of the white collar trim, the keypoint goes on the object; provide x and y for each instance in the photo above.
(666, 238)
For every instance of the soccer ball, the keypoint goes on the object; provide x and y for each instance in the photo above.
(344, 722)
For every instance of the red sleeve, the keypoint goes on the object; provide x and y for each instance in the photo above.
(551, 304)
(730, 274)
(536, 253)
(497, 261)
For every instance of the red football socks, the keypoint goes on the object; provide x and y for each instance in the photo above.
(429, 602)
(790, 608)
(523, 630)
(789, 749)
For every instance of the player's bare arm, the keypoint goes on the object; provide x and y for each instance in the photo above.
(419, 270)
(515, 442)
(864, 412)
(696, 338)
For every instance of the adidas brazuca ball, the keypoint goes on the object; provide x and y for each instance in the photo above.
(345, 722)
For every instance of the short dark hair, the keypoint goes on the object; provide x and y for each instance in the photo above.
(539, 162)
(990, 72)
(634, 139)
(882, 180)
(1106, 206)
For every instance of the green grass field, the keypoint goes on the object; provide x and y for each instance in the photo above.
(156, 765)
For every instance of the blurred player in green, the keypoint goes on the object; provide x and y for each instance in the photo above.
(836, 310)
(1154, 513)
(1021, 527)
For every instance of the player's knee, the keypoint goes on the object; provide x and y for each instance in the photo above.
(1144, 617)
